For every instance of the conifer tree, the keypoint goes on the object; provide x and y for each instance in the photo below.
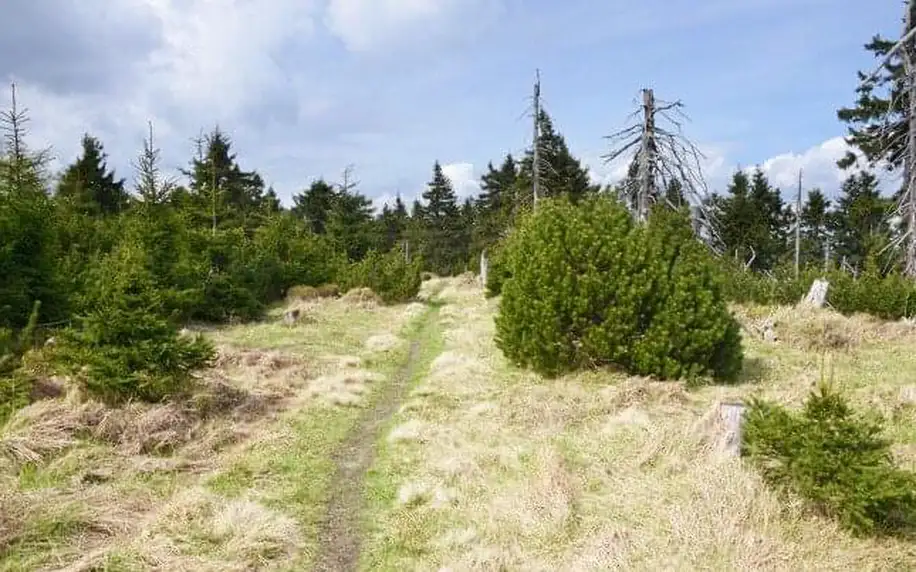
(441, 226)
(314, 205)
(751, 220)
(225, 196)
(87, 184)
(860, 223)
(560, 172)
(495, 202)
(350, 224)
(815, 227)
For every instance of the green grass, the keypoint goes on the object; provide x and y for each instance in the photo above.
(292, 473)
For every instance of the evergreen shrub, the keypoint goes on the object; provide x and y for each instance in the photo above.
(834, 458)
(124, 347)
(586, 287)
(394, 279)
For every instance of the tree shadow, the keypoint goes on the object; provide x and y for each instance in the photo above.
(754, 371)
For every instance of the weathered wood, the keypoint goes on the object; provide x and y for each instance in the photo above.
(731, 418)
(484, 267)
(291, 317)
(817, 294)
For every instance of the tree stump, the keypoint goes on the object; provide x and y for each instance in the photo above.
(291, 317)
(817, 294)
(731, 417)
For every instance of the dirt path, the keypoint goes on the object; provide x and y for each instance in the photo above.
(339, 535)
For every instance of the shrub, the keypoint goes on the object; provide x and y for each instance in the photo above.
(15, 384)
(313, 292)
(584, 287)
(835, 459)
(124, 347)
(394, 279)
(891, 296)
(688, 330)
(496, 272)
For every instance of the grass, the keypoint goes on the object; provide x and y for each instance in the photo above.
(491, 467)
(243, 479)
(485, 466)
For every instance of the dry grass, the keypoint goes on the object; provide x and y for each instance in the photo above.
(598, 471)
(156, 486)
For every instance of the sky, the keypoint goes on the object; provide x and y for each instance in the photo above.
(306, 87)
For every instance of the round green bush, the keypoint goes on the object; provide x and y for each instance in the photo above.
(585, 287)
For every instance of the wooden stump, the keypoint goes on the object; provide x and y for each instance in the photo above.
(291, 317)
(817, 294)
(731, 417)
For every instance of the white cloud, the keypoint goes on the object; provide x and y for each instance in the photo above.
(464, 181)
(218, 55)
(364, 25)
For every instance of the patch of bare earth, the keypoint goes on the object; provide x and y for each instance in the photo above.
(127, 481)
(498, 468)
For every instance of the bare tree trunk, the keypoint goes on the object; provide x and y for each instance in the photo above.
(536, 140)
(646, 156)
(909, 53)
(798, 206)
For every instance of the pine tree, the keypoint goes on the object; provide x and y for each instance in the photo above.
(88, 186)
(314, 205)
(443, 240)
(350, 224)
(225, 196)
(751, 220)
(815, 227)
(859, 222)
(877, 124)
(495, 203)
(560, 172)
(393, 224)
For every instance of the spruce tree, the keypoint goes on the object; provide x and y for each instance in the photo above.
(751, 220)
(314, 205)
(87, 184)
(877, 122)
(815, 227)
(560, 172)
(225, 196)
(350, 224)
(441, 226)
(860, 223)
(495, 203)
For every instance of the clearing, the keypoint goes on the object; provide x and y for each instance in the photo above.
(400, 439)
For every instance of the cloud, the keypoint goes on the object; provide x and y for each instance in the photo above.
(464, 181)
(366, 25)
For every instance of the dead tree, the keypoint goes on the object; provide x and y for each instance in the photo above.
(663, 156)
(535, 140)
(905, 209)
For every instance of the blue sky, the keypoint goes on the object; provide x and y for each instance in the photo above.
(307, 87)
